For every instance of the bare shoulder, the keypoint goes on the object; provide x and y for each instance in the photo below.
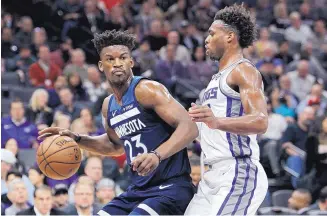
(246, 74)
(149, 92)
(105, 106)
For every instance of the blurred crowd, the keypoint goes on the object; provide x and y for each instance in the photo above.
(50, 77)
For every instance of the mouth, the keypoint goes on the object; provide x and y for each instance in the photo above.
(207, 49)
(118, 72)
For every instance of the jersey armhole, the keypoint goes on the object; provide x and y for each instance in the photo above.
(108, 111)
(134, 87)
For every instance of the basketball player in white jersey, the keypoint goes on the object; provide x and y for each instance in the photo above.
(232, 113)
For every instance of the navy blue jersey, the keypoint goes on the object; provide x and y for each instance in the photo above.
(142, 131)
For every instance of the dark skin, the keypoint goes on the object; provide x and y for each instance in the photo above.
(117, 64)
(222, 44)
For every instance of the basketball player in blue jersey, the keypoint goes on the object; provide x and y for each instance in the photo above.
(143, 120)
(232, 113)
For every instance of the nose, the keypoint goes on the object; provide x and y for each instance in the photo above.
(207, 40)
(117, 63)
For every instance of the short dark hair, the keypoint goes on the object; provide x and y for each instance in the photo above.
(42, 188)
(113, 37)
(323, 194)
(14, 172)
(16, 100)
(240, 19)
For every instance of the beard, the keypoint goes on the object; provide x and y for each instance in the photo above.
(84, 206)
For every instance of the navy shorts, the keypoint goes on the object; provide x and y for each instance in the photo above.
(170, 198)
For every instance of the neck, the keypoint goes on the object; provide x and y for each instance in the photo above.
(229, 57)
(38, 184)
(302, 126)
(20, 205)
(119, 91)
(84, 211)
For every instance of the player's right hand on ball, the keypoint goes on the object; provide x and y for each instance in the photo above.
(56, 130)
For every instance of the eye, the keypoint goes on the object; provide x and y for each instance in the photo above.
(123, 57)
(110, 59)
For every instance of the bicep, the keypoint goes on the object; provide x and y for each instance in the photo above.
(251, 92)
(168, 109)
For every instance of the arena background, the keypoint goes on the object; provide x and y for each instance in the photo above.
(46, 46)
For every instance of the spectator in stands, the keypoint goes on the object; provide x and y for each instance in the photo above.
(38, 110)
(186, 37)
(60, 196)
(83, 179)
(315, 98)
(285, 90)
(24, 36)
(43, 203)
(301, 80)
(283, 53)
(268, 141)
(44, 72)
(54, 100)
(145, 59)
(16, 126)
(8, 49)
(322, 203)
(156, 11)
(17, 193)
(199, 69)
(281, 20)
(181, 52)
(11, 175)
(298, 32)
(83, 201)
(94, 85)
(195, 170)
(68, 107)
(167, 71)
(7, 161)
(143, 19)
(323, 133)
(117, 19)
(300, 199)
(22, 61)
(155, 38)
(61, 120)
(294, 140)
(77, 64)
(75, 84)
(105, 191)
(36, 176)
(93, 169)
(307, 15)
(39, 38)
(12, 146)
(263, 43)
(89, 123)
(320, 34)
(270, 67)
(176, 13)
(93, 18)
(282, 104)
(202, 14)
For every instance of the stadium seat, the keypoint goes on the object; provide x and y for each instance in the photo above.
(280, 198)
(10, 78)
(276, 211)
(317, 212)
(24, 94)
(5, 107)
(30, 154)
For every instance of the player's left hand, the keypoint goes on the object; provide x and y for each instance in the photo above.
(144, 164)
(203, 114)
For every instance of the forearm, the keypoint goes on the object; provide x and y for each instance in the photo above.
(100, 144)
(244, 125)
(184, 134)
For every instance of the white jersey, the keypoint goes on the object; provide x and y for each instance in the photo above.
(218, 145)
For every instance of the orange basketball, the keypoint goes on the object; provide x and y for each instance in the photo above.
(59, 157)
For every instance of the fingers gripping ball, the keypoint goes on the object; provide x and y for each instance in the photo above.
(59, 157)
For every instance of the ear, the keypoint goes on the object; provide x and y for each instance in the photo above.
(132, 62)
(100, 66)
(230, 36)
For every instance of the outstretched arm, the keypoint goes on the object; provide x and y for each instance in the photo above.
(255, 120)
(98, 144)
(155, 96)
